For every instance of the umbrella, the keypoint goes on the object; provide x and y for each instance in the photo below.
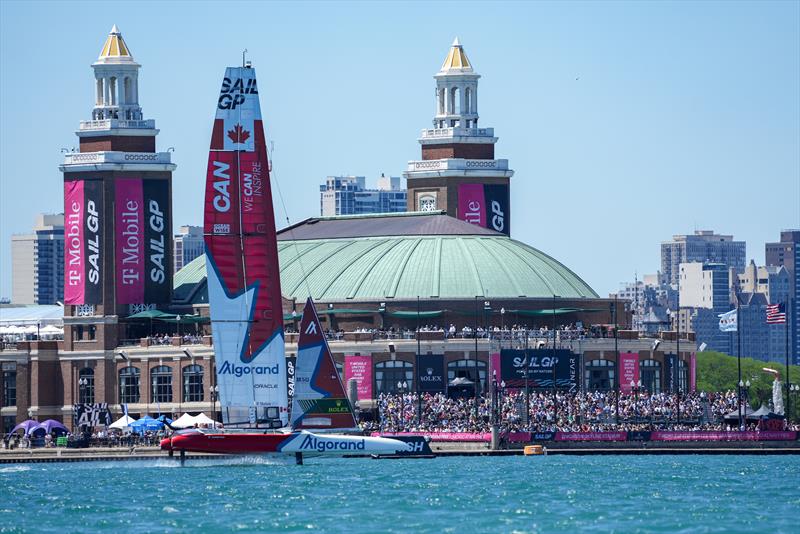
(48, 426)
(146, 423)
(27, 426)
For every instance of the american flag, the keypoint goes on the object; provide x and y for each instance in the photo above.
(776, 314)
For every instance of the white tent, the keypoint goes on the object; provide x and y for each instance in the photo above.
(184, 421)
(122, 422)
(203, 419)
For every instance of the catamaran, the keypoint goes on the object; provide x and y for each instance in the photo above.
(246, 313)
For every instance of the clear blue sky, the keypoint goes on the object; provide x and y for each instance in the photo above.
(625, 122)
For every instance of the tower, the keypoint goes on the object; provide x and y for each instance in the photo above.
(117, 209)
(458, 172)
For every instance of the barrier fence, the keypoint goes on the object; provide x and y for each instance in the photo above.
(528, 437)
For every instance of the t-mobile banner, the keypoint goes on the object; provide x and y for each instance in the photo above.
(693, 372)
(487, 206)
(83, 225)
(671, 369)
(431, 372)
(629, 368)
(360, 368)
(158, 242)
(129, 240)
(540, 368)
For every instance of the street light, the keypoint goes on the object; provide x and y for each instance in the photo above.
(794, 391)
(743, 390)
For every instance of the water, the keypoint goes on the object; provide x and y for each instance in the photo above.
(485, 494)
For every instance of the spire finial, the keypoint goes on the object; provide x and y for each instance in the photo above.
(456, 42)
(115, 30)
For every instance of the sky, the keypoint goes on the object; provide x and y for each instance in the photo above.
(625, 122)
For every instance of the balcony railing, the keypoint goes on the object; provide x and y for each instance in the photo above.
(117, 157)
(433, 133)
(108, 124)
(458, 165)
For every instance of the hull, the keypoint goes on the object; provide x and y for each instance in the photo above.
(244, 442)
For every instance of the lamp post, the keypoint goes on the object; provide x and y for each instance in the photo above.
(214, 390)
(502, 326)
(416, 369)
(678, 419)
(82, 383)
(794, 392)
(744, 388)
(616, 359)
(553, 364)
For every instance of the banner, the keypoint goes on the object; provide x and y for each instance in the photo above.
(487, 206)
(91, 415)
(722, 436)
(443, 436)
(540, 368)
(639, 435)
(84, 219)
(591, 436)
(629, 370)
(671, 370)
(291, 364)
(360, 368)
(129, 240)
(430, 372)
(693, 372)
(158, 242)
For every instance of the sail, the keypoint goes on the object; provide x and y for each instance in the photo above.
(242, 260)
(319, 400)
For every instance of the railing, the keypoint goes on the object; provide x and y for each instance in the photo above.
(107, 124)
(117, 157)
(458, 165)
(457, 132)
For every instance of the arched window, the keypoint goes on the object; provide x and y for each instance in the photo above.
(86, 386)
(129, 385)
(128, 91)
(113, 91)
(389, 374)
(651, 375)
(466, 369)
(441, 100)
(99, 92)
(455, 101)
(468, 100)
(599, 375)
(161, 384)
(683, 376)
(193, 383)
(427, 203)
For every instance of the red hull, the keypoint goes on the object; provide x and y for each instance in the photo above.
(225, 442)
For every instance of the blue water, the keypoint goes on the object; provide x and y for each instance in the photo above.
(486, 494)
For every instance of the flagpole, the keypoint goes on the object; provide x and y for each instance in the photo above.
(739, 363)
(786, 330)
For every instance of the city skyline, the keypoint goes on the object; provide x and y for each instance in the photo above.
(720, 120)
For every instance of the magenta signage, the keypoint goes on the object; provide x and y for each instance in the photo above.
(629, 369)
(83, 233)
(360, 368)
(129, 242)
(693, 372)
(723, 436)
(591, 436)
(471, 204)
(487, 206)
(443, 436)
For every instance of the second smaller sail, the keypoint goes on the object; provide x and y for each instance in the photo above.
(319, 398)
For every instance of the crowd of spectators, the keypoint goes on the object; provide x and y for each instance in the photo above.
(576, 412)
(166, 339)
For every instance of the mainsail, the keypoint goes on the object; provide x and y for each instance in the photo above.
(242, 261)
(319, 400)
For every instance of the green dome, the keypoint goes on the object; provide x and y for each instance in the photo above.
(460, 263)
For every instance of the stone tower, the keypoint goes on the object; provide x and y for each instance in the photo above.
(458, 172)
(117, 210)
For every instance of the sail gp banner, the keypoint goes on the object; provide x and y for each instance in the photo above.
(84, 219)
(541, 364)
(487, 206)
(143, 241)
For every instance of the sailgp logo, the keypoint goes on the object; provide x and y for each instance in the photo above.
(240, 370)
(312, 443)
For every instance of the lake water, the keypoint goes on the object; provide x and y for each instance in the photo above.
(456, 494)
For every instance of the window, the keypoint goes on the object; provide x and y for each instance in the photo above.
(651, 375)
(129, 385)
(466, 369)
(86, 386)
(683, 376)
(9, 384)
(77, 332)
(599, 375)
(388, 374)
(427, 203)
(193, 383)
(161, 384)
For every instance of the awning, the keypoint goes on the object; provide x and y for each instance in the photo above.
(552, 311)
(346, 311)
(184, 319)
(414, 315)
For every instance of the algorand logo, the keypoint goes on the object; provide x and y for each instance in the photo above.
(240, 370)
(311, 443)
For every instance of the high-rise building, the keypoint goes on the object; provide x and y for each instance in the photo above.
(757, 287)
(117, 209)
(458, 172)
(787, 253)
(188, 244)
(704, 293)
(37, 262)
(704, 246)
(348, 195)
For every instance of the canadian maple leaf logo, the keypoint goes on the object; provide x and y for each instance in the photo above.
(238, 135)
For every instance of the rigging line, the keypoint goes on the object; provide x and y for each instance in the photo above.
(274, 175)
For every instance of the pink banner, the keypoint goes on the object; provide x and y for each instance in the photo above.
(693, 372)
(74, 261)
(129, 240)
(471, 200)
(723, 436)
(629, 368)
(591, 436)
(360, 368)
(495, 362)
(443, 436)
